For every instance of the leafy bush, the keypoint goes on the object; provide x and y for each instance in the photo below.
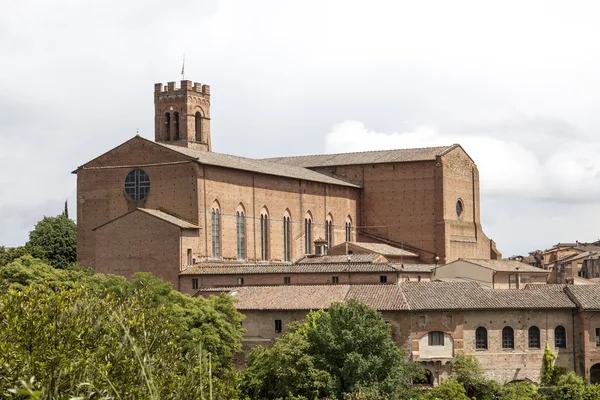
(54, 239)
(79, 333)
(346, 351)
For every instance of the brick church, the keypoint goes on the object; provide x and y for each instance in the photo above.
(166, 205)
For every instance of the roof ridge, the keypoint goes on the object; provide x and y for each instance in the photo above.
(446, 148)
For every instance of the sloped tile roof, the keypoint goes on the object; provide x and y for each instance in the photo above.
(439, 295)
(504, 265)
(379, 297)
(414, 267)
(342, 258)
(259, 166)
(169, 218)
(288, 297)
(384, 249)
(587, 296)
(364, 157)
(245, 269)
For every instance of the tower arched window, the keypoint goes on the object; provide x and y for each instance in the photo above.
(287, 239)
(167, 131)
(240, 224)
(508, 338)
(198, 126)
(481, 338)
(308, 235)
(560, 337)
(264, 236)
(176, 122)
(216, 232)
(534, 337)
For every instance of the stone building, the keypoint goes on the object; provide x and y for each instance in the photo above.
(506, 330)
(165, 205)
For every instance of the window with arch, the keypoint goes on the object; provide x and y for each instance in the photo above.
(264, 236)
(348, 229)
(329, 231)
(216, 232)
(167, 131)
(240, 225)
(508, 338)
(534, 337)
(560, 337)
(481, 338)
(176, 122)
(198, 126)
(287, 239)
(308, 235)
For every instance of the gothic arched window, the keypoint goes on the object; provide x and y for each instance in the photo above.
(329, 231)
(264, 236)
(216, 232)
(287, 239)
(308, 235)
(240, 224)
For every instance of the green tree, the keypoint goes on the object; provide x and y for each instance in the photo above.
(284, 370)
(467, 371)
(54, 239)
(350, 345)
(449, 389)
(519, 391)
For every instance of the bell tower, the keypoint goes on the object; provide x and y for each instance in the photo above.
(182, 115)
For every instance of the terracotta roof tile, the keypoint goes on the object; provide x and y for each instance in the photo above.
(384, 249)
(259, 166)
(169, 218)
(438, 295)
(414, 267)
(587, 296)
(379, 297)
(288, 297)
(504, 265)
(342, 258)
(364, 157)
(243, 269)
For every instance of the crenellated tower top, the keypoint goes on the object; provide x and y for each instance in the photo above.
(182, 115)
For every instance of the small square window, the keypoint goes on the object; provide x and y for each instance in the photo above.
(422, 320)
(194, 283)
(335, 279)
(436, 338)
(278, 326)
(240, 281)
(598, 337)
(448, 318)
(287, 280)
(383, 279)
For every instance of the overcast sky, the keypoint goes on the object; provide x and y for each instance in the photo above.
(516, 83)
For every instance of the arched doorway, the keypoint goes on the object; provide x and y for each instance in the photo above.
(595, 373)
(425, 379)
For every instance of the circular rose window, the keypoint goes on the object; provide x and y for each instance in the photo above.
(459, 208)
(137, 184)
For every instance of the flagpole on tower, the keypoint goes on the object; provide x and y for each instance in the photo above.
(183, 69)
